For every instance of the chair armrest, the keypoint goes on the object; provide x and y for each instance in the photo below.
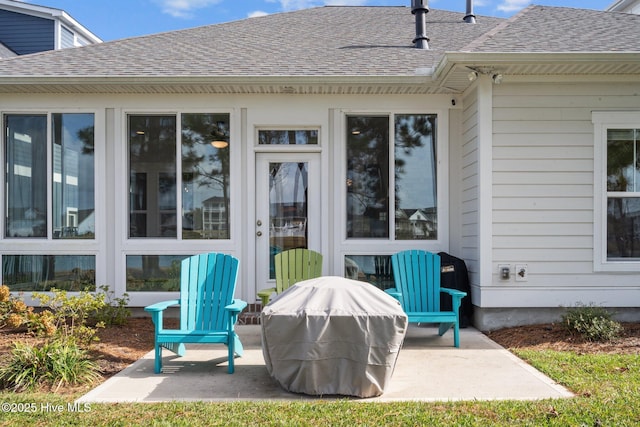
(456, 297)
(394, 292)
(265, 294)
(161, 306)
(454, 292)
(236, 306)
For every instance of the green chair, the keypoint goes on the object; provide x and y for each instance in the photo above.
(293, 266)
(417, 279)
(208, 311)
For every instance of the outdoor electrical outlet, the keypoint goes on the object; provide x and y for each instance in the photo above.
(504, 271)
(522, 273)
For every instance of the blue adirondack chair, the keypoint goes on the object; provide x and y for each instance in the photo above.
(417, 279)
(208, 311)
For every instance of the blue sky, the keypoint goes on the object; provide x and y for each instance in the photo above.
(116, 19)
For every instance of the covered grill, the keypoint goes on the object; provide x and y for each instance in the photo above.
(332, 336)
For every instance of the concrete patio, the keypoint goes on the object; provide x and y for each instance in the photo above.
(428, 368)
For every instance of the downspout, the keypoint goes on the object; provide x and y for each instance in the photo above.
(420, 8)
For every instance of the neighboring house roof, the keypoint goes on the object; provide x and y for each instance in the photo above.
(362, 50)
(5, 52)
(29, 28)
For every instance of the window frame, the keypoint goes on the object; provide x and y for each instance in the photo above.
(603, 121)
(49, 245)
(390, 245)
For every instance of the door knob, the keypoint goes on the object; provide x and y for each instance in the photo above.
(259, 223)
(259, 233)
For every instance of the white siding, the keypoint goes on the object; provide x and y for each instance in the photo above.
(470, 181)
(543, 201)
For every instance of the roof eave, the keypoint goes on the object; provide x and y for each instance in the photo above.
(500, 58)
(452, 71)
(420, 83)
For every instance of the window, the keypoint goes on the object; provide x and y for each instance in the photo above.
(405, 209)
(39, 273)
(623, 194)
(204, 176)
(288, 137)
(71, 180)
(617, 187)
(375, 269)
(73, 176)
(153, 273)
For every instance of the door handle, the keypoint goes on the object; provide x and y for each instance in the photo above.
(259, 233)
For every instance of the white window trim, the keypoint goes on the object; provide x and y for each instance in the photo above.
(388, 245)
(604, 120)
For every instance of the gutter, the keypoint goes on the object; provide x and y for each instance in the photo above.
(496, 59)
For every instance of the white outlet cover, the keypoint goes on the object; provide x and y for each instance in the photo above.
(522, 272)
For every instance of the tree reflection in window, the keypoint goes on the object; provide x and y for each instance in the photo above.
(367, 176)
(205, 176)
(416, 212)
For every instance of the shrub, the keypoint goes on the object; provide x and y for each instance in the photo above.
(54, 364)
(67, 317)
(115, 311)
(13, 311)
(592, 323)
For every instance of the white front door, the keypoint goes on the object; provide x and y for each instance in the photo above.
(287, 208)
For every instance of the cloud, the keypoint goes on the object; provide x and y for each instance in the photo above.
(184, 8)
(288, 5)
(257, 13)
(513, 5)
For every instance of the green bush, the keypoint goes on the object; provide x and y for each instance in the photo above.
(115, 311)
(67, 317)
(53, 364)
(592, 323)
(13, 311)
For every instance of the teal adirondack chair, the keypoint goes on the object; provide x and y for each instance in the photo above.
(417, 278)
(291, 267)
(208, 311)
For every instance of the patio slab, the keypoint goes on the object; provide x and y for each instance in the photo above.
(428, 368)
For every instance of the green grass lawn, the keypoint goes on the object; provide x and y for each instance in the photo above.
(607, 389)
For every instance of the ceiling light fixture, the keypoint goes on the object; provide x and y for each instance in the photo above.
(220, 144)
(220, 135)
(472, 76)
(497, 78)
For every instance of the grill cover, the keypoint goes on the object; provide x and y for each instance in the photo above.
(332, 336)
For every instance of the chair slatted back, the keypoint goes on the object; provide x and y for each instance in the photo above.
(295, 265)
(417, 277)
(207, 285)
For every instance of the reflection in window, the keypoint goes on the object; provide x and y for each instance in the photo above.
(375, 269)
(623, 193)
(73, 176)
(26, 175)
(288, 137)
(288, 208)
(154, 273)
(205, 176)
(415, 177)
(367, 176)
(45, 272)
(152, 176)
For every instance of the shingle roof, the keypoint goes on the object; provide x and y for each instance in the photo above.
(342, 50)
(562, 29)
(324, 41)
